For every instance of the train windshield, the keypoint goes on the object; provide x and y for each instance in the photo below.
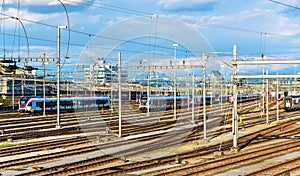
(144, 100)
(23, 101)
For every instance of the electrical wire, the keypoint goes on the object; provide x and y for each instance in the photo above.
(2, 17)
(284, 4)
(114, 8)
(111, 7)
(142, 13)
(69, 33)
(25, 33)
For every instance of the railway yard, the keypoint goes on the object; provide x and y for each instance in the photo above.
(150, 88)
(159, 144)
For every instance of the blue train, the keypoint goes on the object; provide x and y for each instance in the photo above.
(35, 104)
(244, 98)
(167, 102)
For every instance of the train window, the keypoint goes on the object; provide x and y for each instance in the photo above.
(63, 103)
(53, 103)
(39, 104)
(101, 102)
(23, 102)
(47, 104)
(69, 103)
(29, 104)
(144, 100)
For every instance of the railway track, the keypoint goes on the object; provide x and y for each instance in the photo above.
(243, 158)
(126, 168)
(164, 124)
(279, 168)
(19, 127)
(42, 145)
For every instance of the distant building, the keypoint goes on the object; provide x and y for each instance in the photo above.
(17, 81)
(103, 73)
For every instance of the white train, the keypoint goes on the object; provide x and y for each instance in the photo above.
(34, 104)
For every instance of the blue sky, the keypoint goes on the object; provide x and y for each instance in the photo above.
(256, 26)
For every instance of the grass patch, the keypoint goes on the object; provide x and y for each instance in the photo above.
(5, 144)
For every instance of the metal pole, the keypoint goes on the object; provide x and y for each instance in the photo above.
(68, 93)
(120, 94)
(221, 93)
(263, 93)
(58, 76)
(175, 45)
(44, 87)
(277, 104)
(22, 82)
(188, 91)
(111, 94)
(34, 86)
(193, 98)
(267, 98)
(148, 90)
(234, 110)
(91, 79)
(204, 96)
(13, 91)
(211, 93)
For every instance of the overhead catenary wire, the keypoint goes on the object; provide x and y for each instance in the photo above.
(143, 13)
(125, 10)
(69, 33)
(111, 7)
(17, 26)
(25, 33)
(284, 4)
(3, 22)
(89, 34)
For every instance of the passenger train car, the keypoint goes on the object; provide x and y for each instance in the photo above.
(35, 104)
(244, 98)
(167, 102)
(161, 102)
(291, 103)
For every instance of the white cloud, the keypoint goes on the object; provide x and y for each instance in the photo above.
(79, 19)
(253, 19)
(76, 18)
(36, 17)
(182, 4)
(43, 2)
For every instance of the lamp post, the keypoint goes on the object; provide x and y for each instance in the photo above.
(175, 45)
(234, 92)
(120, 94)
(58, 75)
